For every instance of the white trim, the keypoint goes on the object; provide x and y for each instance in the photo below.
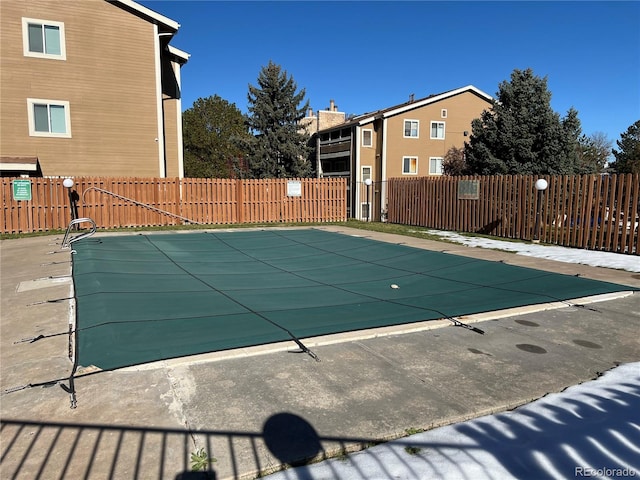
(25, 39)
(370, 137)
(364, 121)
(178, 53)
(444, 129)
(405, 107)
(441, 161)
(417, 161)
(162, 167)
(29, 167)
(176, 70)
(437, 98)
(148, 13)
(383, 160)
(404, 121)
(357, 170)
(32, 121)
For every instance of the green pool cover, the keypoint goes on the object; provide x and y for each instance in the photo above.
(144, 298)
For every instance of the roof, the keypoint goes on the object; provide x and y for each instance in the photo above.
(148, 14)
(181, 56)
(403, 107)
(410, 105)
(13, 164)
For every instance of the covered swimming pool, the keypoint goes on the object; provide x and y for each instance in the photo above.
(149, 297)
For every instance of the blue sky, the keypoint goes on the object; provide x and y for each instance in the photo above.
(368, 55)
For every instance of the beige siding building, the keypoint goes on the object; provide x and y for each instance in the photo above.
(405, 140)
(89, 88)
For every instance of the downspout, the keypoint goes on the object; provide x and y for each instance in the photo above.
(162, 161)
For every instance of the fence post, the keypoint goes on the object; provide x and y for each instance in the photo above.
(179, 207)
(239, 200)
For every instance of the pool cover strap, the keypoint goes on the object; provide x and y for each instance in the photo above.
(302, 347)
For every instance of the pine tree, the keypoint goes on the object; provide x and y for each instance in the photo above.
(279, 148)
(521, 134)
(628, 157)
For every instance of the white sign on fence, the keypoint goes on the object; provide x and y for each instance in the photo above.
(294, 188)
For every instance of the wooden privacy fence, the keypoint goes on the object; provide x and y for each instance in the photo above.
(598, 212)
(207, 201)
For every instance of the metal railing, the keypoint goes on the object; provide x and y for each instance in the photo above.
(140, 204)
(68, 240)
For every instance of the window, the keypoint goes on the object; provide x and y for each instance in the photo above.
(365, 208)
(366, 173)
(48, 118)
(410, 165)
(367, 138)
(435, 165)
(411, 128)
(43, 39)
(443, 113)
(437, 130)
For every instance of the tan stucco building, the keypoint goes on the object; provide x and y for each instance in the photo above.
(89, 88)
(406, 140)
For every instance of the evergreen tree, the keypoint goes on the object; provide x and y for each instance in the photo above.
(628, 157)
(279, 147)
(521, 134)
(213, 131)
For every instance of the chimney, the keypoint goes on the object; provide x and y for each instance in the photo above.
(332, 106)
(411, 98)
(310, 112)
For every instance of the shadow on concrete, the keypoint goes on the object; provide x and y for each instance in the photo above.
(196, 476)
(44, 450)
(291, 439)
(548, 438)
(593, 433)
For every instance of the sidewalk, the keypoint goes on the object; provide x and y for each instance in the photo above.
(256, 409)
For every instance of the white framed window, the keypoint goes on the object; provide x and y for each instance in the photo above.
(437, 130)
(365, 208)
(410, 165)
(435, 165)
(43, 39)
(367, 138)
(443, 113)
(411, 128)
(366, 173)
(48, 118)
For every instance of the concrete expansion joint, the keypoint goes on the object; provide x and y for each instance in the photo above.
(181, 388)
